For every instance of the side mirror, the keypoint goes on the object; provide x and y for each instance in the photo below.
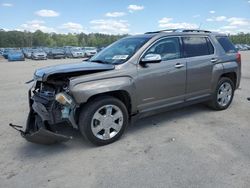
(151, 58)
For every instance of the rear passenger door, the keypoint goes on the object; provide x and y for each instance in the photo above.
(200, 57)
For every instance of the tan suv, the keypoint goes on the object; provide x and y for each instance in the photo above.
(133, 77)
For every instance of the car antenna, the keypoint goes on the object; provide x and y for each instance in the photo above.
(200, 25)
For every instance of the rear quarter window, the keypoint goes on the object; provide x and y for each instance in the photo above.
(226, 44)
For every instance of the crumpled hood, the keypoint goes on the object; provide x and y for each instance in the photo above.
(74, 69)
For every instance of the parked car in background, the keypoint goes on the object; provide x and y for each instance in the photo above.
(38, 54)
(74, 52)
(100, 49)
(46, 50)
(56, 53)
(15, 55)
(89, 51)
(237, 47)
(242, 47)
(247, 46)
(6, 52)
(27, 52)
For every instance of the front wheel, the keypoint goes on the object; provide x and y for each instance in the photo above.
(223, 94)
(103, 120)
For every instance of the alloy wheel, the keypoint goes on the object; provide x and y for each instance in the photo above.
(107, 122)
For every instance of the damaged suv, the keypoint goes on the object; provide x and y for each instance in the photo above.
(136, 76)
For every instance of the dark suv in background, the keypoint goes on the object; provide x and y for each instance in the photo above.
(134, 77)
(56, 53)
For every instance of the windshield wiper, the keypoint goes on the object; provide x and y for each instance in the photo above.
(100, 61)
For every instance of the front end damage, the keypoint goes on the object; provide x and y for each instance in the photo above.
(50, 101)
(50, 107)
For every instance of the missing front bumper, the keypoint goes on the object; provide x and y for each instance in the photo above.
(46, 137)
(37, 132)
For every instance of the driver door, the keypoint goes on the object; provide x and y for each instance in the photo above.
(162, 84)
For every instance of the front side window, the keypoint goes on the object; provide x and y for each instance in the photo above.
(197, 46)
(168, 48)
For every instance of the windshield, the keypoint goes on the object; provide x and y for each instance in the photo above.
(120, 51)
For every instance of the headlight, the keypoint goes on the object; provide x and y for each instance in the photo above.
(64, 99)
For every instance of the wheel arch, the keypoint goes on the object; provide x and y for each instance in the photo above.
(122, 95)
(232, 76)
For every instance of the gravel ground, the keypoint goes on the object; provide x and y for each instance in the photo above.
(189, 147)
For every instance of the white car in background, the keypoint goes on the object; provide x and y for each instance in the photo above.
(38, 54)
(74, 52)
(89, 51)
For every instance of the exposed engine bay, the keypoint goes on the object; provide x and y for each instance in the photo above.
(50, 105)
(52, 102)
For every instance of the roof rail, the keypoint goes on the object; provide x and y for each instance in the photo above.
(179, 30)
(196, 30)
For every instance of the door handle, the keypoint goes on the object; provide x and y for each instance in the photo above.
(214, 60)
(179, 65)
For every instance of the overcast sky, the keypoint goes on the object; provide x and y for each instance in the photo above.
(124, 16)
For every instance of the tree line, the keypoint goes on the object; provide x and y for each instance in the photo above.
(39, 38)
(241, 38)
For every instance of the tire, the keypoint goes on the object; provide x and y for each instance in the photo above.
(101, 132)
(217, 102)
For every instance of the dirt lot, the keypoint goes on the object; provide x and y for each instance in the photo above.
(190, 147)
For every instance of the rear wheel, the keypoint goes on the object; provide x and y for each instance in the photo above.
(103, 120)
(223, 94)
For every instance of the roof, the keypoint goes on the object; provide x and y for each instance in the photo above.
(182, 32)
(174, 32)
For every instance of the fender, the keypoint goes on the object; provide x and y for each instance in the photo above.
(223, 68)
(83, 91)
(233, 67)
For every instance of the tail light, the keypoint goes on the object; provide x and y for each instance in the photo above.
(238, 58)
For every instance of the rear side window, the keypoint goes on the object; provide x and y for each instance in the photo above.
(226, 44)
(197, 46)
